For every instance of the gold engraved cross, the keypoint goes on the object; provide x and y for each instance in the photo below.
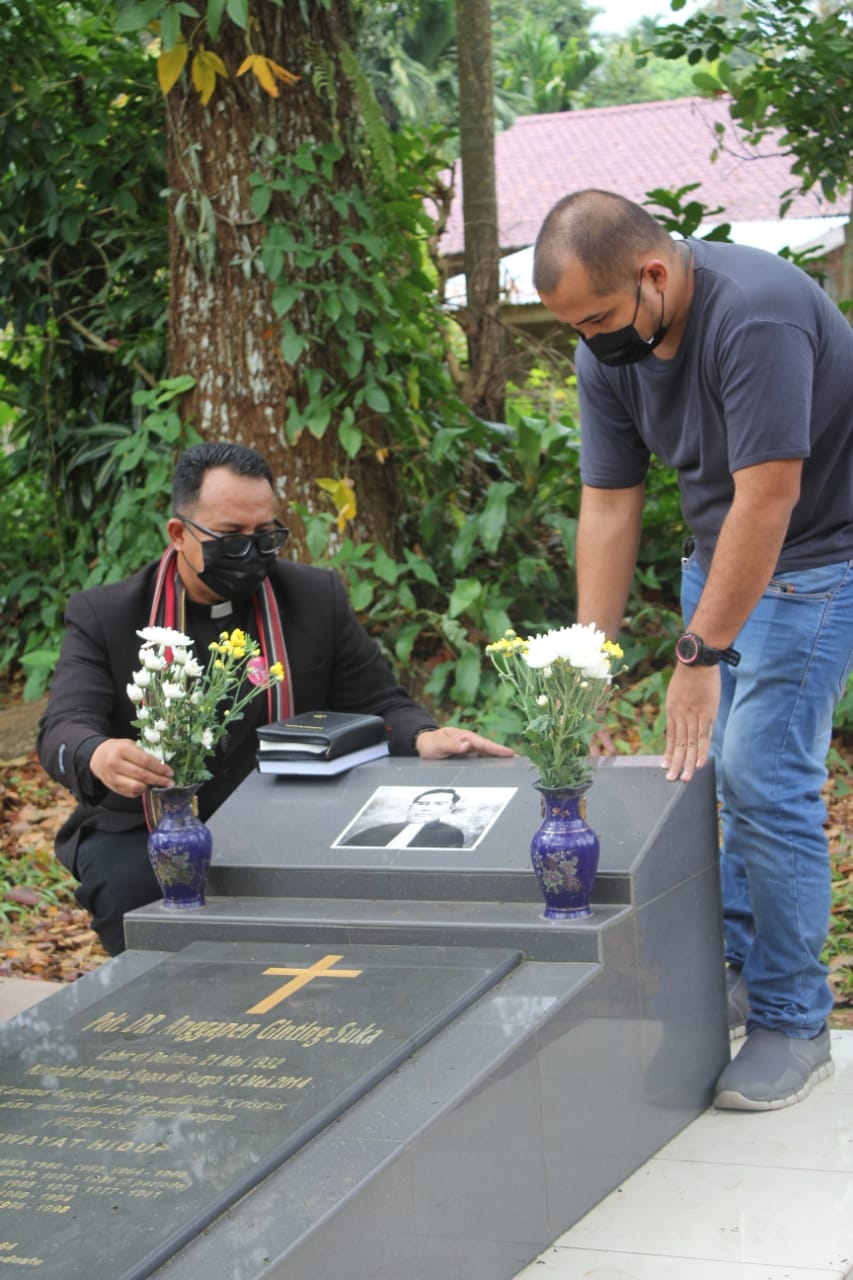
(322, 969)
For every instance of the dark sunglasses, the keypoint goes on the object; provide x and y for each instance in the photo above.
(236, 546)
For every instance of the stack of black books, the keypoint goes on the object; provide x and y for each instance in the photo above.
(320, 742)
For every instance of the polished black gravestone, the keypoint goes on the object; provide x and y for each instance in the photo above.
(530, 1107)
(133, 1123)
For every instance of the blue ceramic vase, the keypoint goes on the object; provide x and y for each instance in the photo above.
(564, 852)
(179, 847)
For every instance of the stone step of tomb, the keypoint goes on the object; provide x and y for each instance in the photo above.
(319, 874)
(342, 922)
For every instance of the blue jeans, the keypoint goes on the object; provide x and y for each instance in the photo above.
(769, 745)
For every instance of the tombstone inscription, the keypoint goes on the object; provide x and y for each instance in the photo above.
(134, 1124)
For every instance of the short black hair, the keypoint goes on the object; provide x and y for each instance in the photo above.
(439, 790)
(604, 231)
(192, 465)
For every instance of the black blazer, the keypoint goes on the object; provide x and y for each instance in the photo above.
(334, 666)
(434, 835)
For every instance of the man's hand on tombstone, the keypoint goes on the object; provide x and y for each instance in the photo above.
(692, 702)
(438, 744)
(125, 768)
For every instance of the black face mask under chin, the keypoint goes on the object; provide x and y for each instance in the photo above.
(233, 579)
(625, 346)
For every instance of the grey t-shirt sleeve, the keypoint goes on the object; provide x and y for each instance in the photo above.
(766, 370)
(613, 454)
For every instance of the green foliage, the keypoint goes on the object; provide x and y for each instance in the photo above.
(40, 872)
(542, 72)
(622, 77)
(369, 294)
(82, 229)
(42, 559)
(786, 66)
(82, 309)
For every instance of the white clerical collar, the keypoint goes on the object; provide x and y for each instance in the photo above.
(222, 610)
(403, 838)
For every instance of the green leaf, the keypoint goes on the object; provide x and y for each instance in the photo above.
(361, 594)
(384, 567)
(350, 299)
(332, 306)
(283, 298)
(43, 659)
(317, 417)
(468, 674)
(707, 83)
(170, 26)
(406, 598)
(465, 592)
(238, 12)
(405, 642)
(377, 399)
(420, 568)
(493, 516)
(463, 545)
(215, 9)
(292, 344)
(260, 200)
(133, 15)
(350, 438)
(70, 226)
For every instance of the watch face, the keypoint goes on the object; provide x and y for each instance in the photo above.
(687, 648)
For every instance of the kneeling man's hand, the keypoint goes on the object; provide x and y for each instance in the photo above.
(125, 768)
(438, 744)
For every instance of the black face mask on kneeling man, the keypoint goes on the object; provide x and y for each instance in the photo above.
(234, 579)
(626, 346)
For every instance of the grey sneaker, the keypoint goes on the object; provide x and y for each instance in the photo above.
(773, 1070)
(738, 1001)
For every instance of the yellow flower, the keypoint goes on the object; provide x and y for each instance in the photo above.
(277, 671)
(614, 650)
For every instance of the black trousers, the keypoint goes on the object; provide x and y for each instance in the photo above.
(115, 877)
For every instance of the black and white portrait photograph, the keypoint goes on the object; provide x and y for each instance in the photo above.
(426, 817)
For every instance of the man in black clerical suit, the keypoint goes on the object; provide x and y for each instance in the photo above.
(220, 571)
(424, 827)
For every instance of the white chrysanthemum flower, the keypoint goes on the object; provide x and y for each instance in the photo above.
(156, 752)
(165, 636)
(143, 713)
(151, 735)
(542, 700)
(193, 668)
(581, 646)
(135, 694)
(173, 691)
(151, 660)
(142, 678)
(207, 739)
(161, 726)
(541, 650)
(180, 656)
(195, 697)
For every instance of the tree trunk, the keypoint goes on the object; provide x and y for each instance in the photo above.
(479, 206)
(223, 329)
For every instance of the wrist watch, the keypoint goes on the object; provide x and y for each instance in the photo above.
(692, 651)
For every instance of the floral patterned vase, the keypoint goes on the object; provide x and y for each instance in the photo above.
(179, 847)
(564, 852)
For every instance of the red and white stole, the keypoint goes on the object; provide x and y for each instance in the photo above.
(168, 609)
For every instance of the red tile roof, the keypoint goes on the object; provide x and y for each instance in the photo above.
(632, 149)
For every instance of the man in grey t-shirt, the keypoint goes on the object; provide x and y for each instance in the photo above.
(734, 368)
